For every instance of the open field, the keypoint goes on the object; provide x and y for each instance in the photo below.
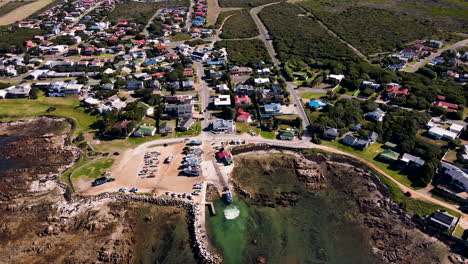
(240, 25)
(244, 3)
(245, 52)
(297, 37)
(371, 30)
(213, 12)
(223, 15)
(450, 15)
(95, 169)
(13, 109)
(7, 7)
(128, 165)
(23, 11)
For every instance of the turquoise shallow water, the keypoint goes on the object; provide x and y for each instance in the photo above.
(310, 232)
(315, 226)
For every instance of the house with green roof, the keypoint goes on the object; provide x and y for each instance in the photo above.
(389, 155)
(390, 145)
(145, 130)
(287, 135)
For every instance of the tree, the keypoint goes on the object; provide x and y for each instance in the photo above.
(454, 143)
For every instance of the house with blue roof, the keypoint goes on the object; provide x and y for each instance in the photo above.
(317, 104)
(272, 109)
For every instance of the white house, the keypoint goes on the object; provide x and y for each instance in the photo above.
(377, 115)
(221, 101)
(455, 128)
(261, 81)
(439, 133)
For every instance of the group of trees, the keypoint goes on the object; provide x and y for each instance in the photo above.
(240, 25)
(245, 52)
(371, 30)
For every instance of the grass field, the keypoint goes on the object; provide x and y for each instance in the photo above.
(13, 109)
(240, 25)
(95, 169)
(311, 95)
(12, 5)
(213, 12)
(180, 37)
(245, 3)
(22, 11)
(268, 134)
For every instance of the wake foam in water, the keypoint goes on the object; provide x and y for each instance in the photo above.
(231, 212)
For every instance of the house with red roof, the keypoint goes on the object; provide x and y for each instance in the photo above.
(188, 72)
(394, 90)
(29, 44)
(159, 74)
(242, 116)
(449, 107)
(225, 157)
(242, 100)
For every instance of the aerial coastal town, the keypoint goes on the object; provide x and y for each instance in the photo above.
(165, 105)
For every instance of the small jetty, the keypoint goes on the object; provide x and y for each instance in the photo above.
(211, 207)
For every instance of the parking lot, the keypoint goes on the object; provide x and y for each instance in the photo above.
(149, 171)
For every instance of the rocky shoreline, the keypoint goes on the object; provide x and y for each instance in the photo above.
(395, 237)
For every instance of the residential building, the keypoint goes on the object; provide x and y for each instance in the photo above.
(331, 133)
(145, 130)
(223, 126)
(236, 70)
(180, 110)
(412, 161)
(245, 89)
(442, 220)
(242, 100)
(222, 101)
(261, 81)
(317, 104)
(188, 85)
(242, 116)
(455, 128)
(186, 124)
(377, 115)
(335, 79)
(458, 177)
(440, 133)
(19, 91)
(272, 109)
(135, 85)
(222, 88)
(389, 156)
(394, 90)
(286, 135)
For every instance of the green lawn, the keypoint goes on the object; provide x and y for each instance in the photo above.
(268, 135)
(13, 109)
(95, 169)
(459, 231)
(369, 154)
(195, 131)
(311, 95)
(180, 37)
(244, 127)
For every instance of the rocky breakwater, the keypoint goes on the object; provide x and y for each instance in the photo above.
(199, 243)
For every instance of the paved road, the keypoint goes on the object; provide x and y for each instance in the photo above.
(145, 30)
(305, 143)
(421, 63)
(264, 36)
(204, 94)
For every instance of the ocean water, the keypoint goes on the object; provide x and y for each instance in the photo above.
(322, 227)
